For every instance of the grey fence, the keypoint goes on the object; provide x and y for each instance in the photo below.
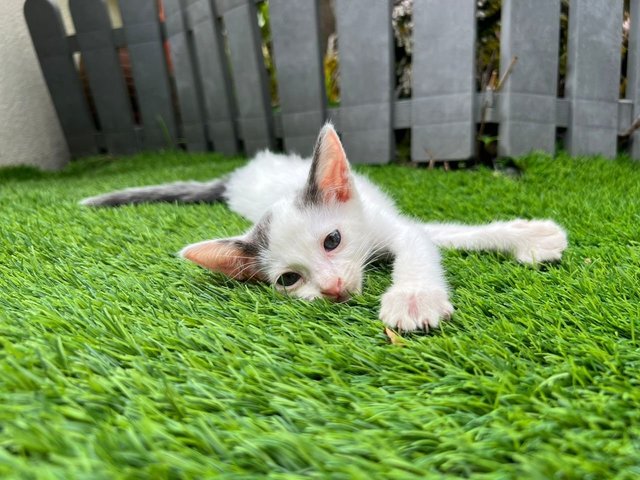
(198, 77)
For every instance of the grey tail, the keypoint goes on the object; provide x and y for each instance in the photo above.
(179, 192)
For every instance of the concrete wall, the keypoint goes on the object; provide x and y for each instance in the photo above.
(29, 130)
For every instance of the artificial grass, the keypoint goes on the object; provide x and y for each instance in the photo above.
(117, 360)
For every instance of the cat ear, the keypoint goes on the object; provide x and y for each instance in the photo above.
(233, 257)
(330, 176)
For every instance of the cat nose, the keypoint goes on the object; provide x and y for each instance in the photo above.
(336, 291)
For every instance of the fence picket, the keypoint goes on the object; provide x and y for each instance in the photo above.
(214, 75)
(183, 68)
(249, 75)
(50, 42)
(593, 76)
(297, 54)
(149, 69)
(528, 101)
(366, 79)
(443, 80)
(106, 82)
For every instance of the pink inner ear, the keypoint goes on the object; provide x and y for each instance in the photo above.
(335, 179)
(224, 257)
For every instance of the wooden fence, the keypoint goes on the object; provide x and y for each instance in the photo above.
(210, 90)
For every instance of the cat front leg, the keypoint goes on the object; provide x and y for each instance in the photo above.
(529, 241)
(418, 298)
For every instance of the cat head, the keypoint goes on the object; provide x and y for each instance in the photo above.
(311, 245)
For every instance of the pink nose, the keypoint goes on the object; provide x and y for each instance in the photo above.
(336, 291)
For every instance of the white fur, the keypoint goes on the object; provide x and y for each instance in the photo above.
(370, 225)
(268, 178)
(271, 177)
(296, 243)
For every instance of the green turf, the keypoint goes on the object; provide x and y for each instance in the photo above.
(118, 359)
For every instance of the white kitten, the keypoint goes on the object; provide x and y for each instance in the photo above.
(317, 225)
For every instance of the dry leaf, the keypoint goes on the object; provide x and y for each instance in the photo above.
(394, 338)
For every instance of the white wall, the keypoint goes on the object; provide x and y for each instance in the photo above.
(29, 130)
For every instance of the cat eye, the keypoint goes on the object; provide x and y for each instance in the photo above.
(332, 241)
(288, 279)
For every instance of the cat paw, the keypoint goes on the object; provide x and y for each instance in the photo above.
(538, 240)
(408, 310)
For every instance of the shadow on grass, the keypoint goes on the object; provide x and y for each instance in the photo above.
(104, 164)
(22, 173)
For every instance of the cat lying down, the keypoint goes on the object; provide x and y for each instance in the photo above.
(317, 225)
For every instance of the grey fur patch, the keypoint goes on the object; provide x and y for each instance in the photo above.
(258, 240)
(261, 232)
(179, 192)
(310, 196)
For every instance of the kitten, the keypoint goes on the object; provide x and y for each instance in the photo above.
(317, 225)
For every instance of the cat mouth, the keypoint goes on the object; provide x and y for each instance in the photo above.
(341, 298)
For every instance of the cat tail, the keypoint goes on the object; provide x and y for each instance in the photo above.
(179, 192)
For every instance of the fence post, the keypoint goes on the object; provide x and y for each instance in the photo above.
(249, 75)
(529, 96)
(61, 76)
(593, 76)
(443, 80)
(366, 79)
(298, 60)
(183, 69)
(217, 93)
(102, 65)
(149, 69)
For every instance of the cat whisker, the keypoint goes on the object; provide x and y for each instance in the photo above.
(245, 267)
